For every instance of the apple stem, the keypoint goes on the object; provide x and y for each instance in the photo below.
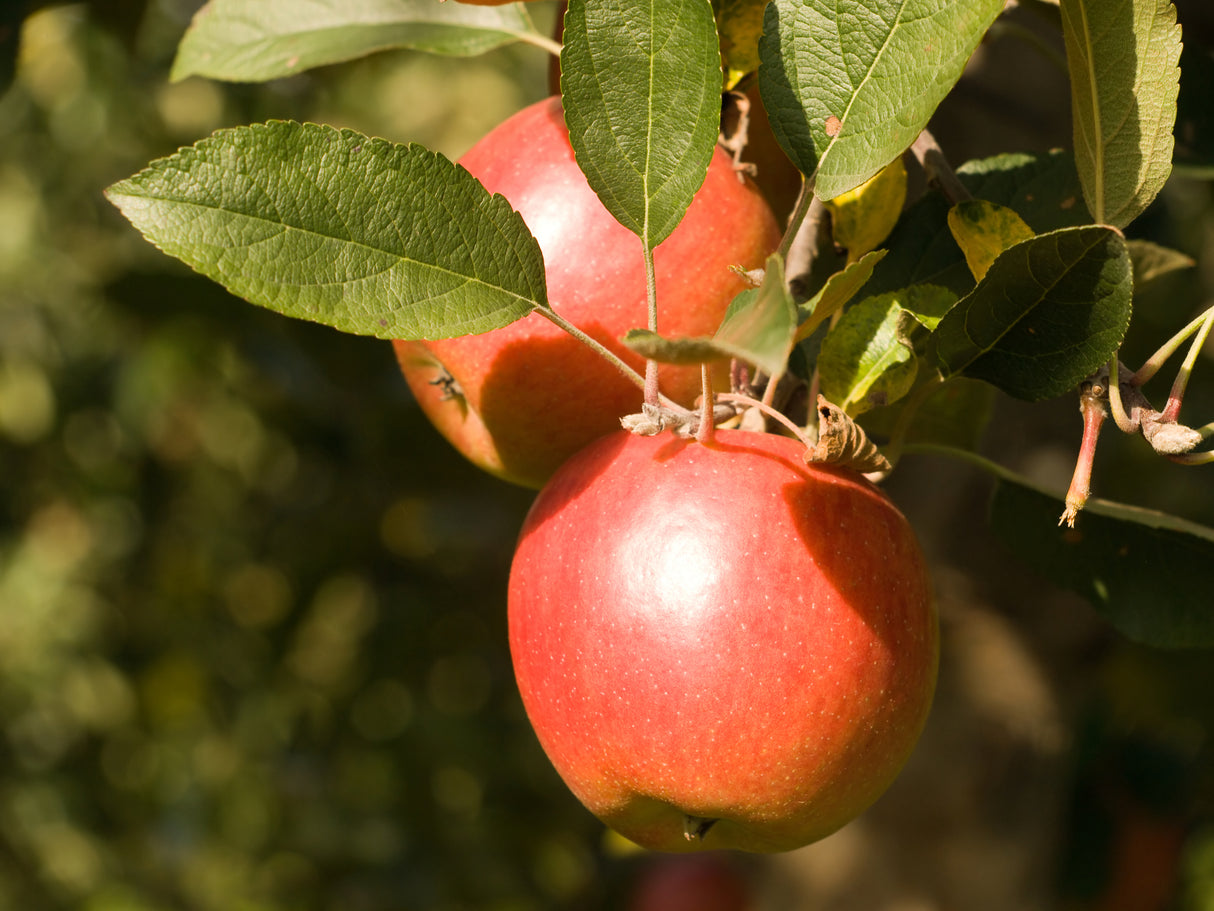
(800, 209)
(1091, 406)
(1194, 458)
(652, 394)
(707, 429)
(696, 827)
(1121, 416)
(1134, 414)
(631, 375)
(1171, 409)
(768, 410)
(1170, 347)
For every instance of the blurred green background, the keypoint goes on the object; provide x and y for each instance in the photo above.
(252, 629)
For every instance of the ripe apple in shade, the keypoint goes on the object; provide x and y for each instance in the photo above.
(718, 645)
(520, 400)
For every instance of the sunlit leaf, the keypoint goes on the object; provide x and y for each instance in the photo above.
(849, 84)
(836, 292)
(257, 40)
(926, 304)
(759, 328)
(1123, 58)
(361, 234)
(867, 360)
(1050, 311)
(641, 86)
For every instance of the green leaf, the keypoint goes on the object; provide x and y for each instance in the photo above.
(927, 304)
(760, 324)
(257, 40)
(1050, 311)
(983, 230)
(361, 234)
(849, 84)
(1042, 189)
(758, 328)
(641, 86)
(867, 360)
(836, 292)
(1123, 57)
(1148, 573)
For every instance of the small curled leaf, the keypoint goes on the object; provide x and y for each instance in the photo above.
(841, 441)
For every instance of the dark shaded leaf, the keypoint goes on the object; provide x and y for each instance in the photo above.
(1043, 189)
(1050, 311)
(1148, 573)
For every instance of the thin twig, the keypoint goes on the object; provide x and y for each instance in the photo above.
(939, 172)
(798, 432)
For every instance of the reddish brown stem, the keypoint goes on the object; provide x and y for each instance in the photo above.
(1091, 406)
(707, 429)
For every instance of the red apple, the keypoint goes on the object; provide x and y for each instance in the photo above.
(522, 399)
(718, 645)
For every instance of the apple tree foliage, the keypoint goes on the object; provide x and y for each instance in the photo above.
(1009, 275)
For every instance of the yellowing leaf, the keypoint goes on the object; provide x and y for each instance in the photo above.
(983, 230)
(739, 24)
(863, 217)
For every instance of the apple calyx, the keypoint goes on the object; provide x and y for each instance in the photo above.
(696, 827)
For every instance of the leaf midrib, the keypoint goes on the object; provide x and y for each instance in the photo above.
(1089, 60)
(467, 279)
(1046, 289)
(863, 82)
